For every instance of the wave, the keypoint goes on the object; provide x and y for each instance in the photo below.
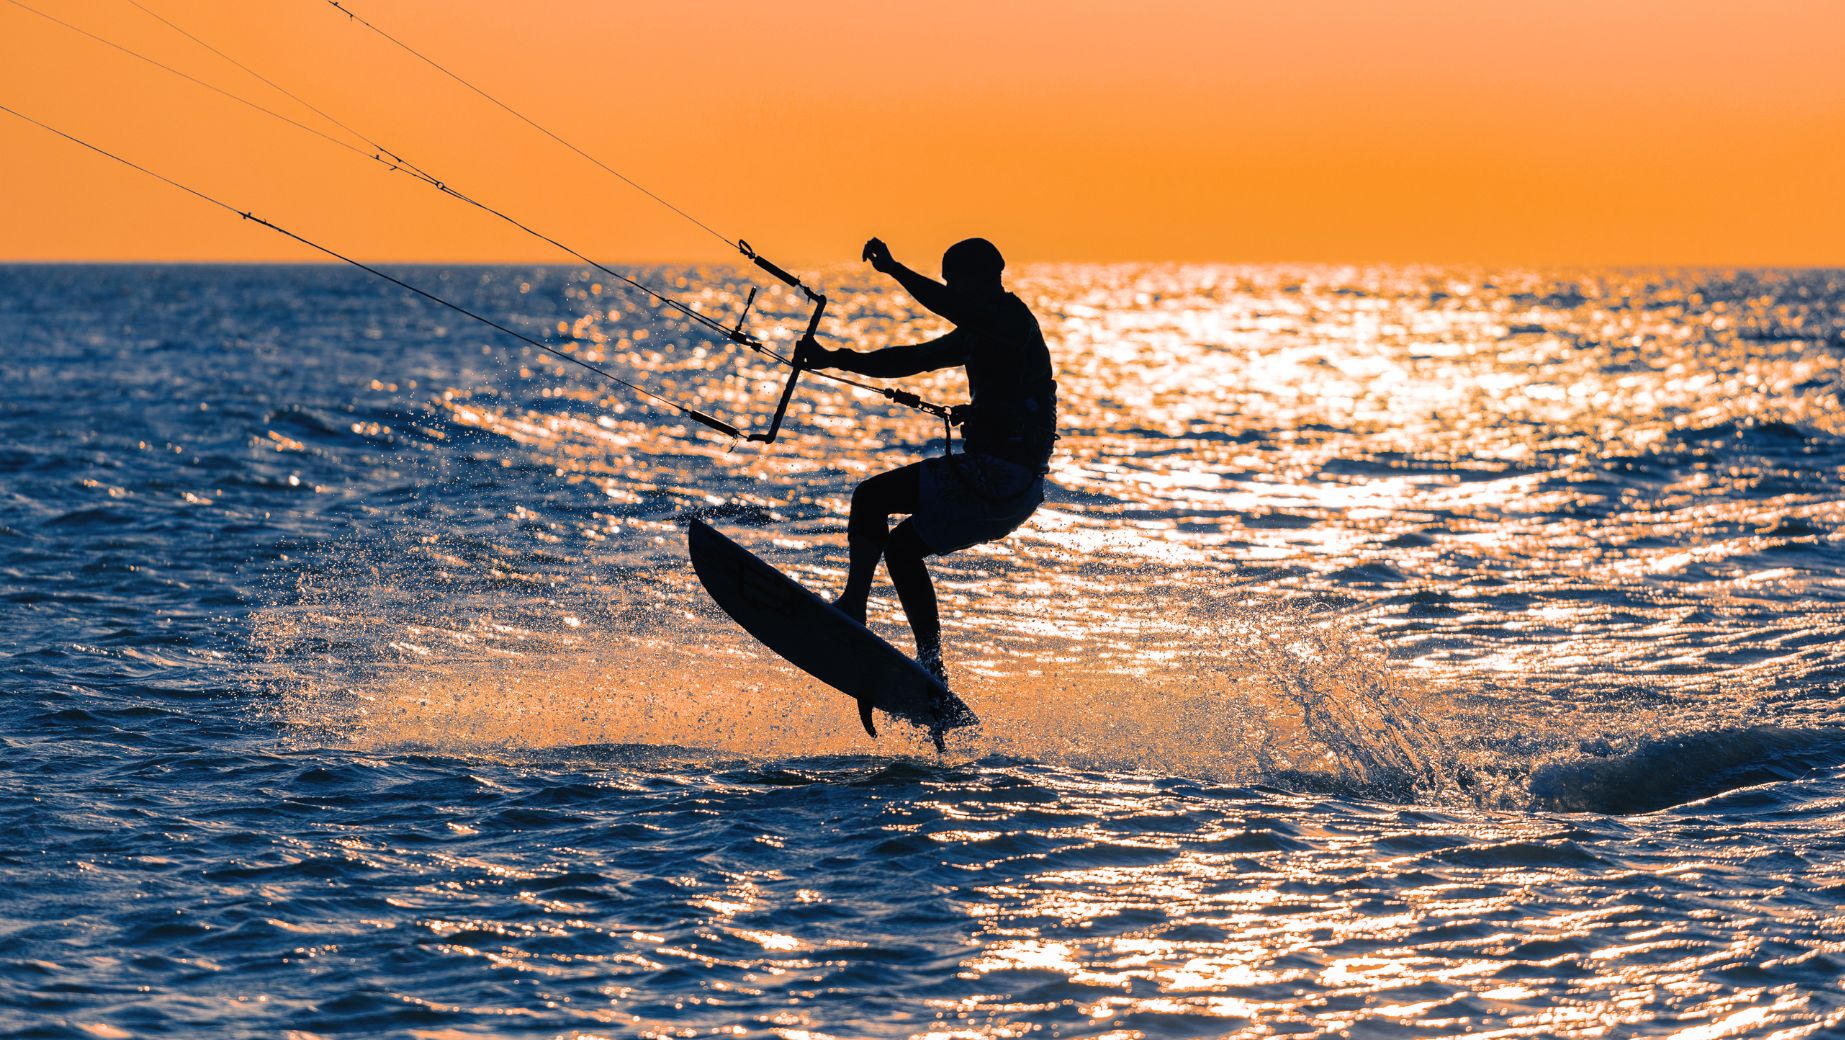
(1765, 433)
(1796, 455)
(1668, 771)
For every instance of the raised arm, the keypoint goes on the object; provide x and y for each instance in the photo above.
(927, 291)
(891, 362)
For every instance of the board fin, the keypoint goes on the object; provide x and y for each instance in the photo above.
(864, 716)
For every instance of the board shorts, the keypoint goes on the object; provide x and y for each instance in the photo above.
(972, 498)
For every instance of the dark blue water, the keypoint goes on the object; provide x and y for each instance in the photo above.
(1402, 652)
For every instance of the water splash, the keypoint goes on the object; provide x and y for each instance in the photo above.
(406, 641)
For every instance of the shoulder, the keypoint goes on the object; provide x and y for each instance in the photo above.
(1006, 314)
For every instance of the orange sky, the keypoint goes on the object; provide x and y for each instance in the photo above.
(1567, 131)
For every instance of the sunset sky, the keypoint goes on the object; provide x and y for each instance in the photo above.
(1569, 131)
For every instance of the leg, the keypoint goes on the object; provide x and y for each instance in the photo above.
(868, 529)
(903, 559)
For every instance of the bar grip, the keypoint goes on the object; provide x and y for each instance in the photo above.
(715, 423)
(768, 265)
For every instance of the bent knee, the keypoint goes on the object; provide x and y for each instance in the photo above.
(865, 499)
(906, 544)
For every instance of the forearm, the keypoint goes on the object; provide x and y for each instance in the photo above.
(889, 363)
(894, 362)
(927, 291)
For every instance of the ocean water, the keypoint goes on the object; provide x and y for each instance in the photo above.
(1401, 652)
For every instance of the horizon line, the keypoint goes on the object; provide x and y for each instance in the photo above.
(1617, 265)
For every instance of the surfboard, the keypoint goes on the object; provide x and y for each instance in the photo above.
(819, 639)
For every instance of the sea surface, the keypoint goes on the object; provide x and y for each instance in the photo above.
(1400, 652)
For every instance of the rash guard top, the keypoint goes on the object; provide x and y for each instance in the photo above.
(1013, 412)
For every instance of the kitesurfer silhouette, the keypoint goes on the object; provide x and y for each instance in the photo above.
(981, 494)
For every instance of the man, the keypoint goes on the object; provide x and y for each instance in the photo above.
(987, 491)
